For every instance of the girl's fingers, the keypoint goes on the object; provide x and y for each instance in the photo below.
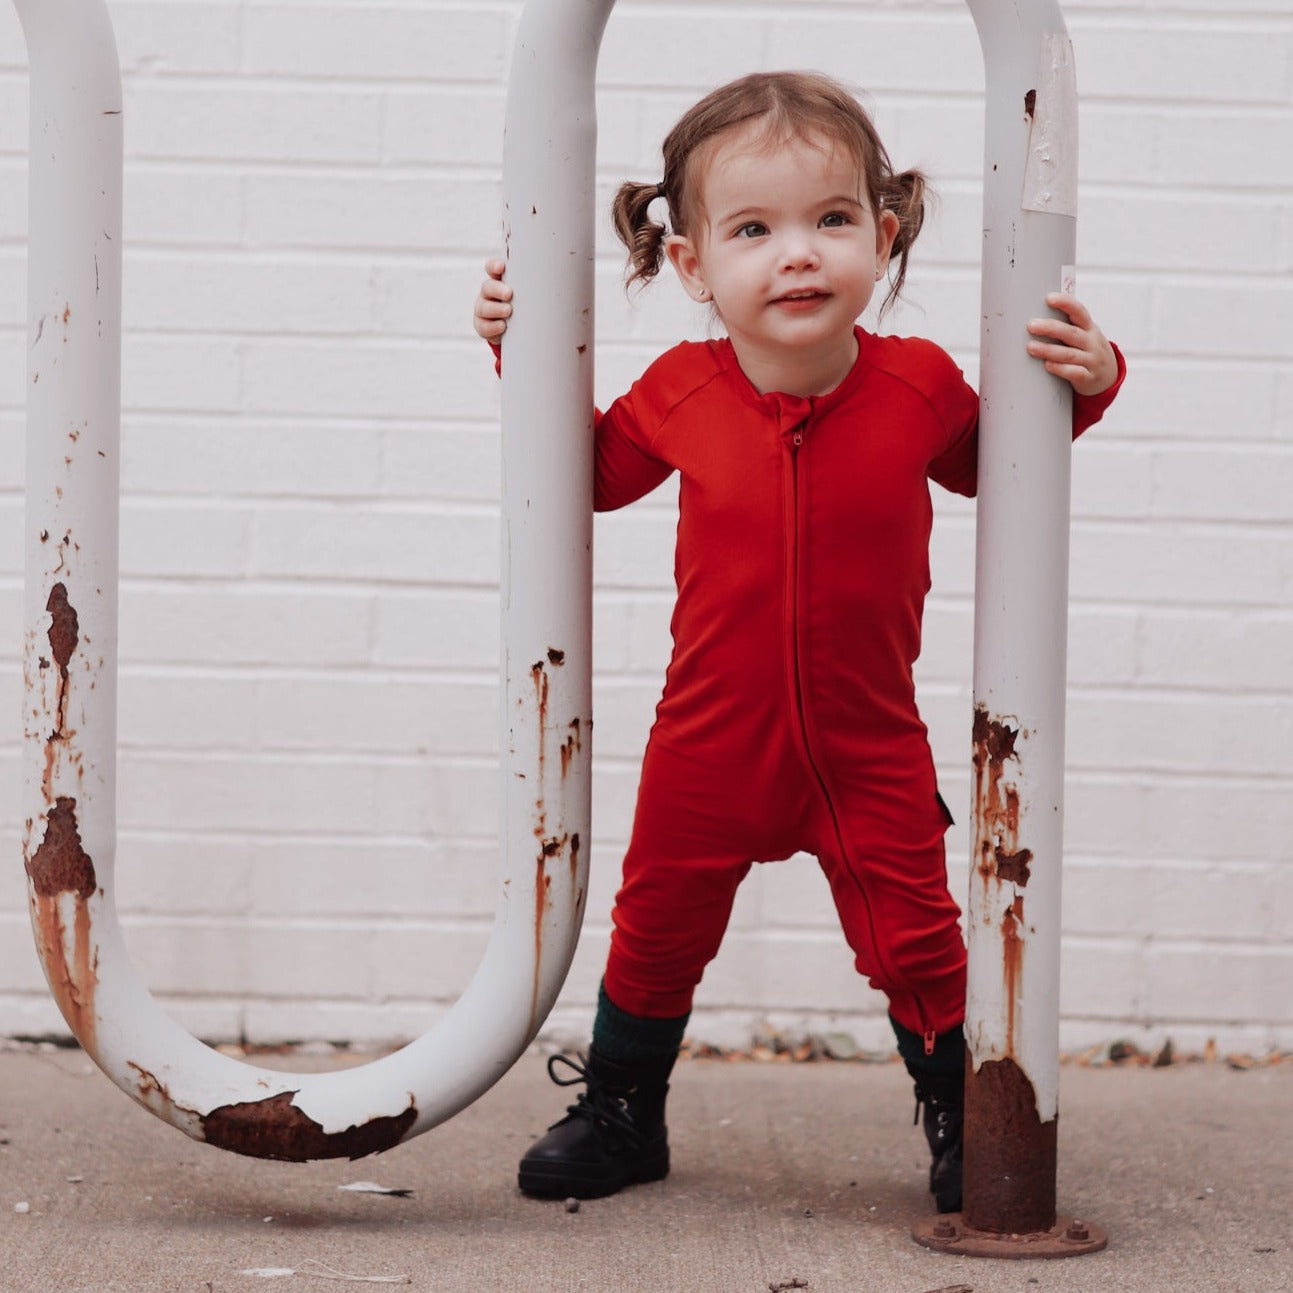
(1077, 313)
(1045, 334)
(495, 267)
(1057, 354)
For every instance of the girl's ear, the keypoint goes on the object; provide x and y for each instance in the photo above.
(886, 230)
(686, 262)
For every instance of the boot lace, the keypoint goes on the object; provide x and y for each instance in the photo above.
(940, 1121)
(607, 1110)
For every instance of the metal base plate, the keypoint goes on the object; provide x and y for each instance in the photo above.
(1068, 1237)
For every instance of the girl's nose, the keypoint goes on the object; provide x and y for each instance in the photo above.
(799, 253)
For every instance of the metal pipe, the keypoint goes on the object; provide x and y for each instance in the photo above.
(70, 662)
(1020, 644)
(1021, 623)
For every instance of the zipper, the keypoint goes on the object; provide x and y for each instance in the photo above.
(796, 443)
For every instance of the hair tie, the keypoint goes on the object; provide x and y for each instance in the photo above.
(660, 190)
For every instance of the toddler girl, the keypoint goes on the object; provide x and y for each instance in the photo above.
(788, 722)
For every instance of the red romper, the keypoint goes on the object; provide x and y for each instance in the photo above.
(788, 721)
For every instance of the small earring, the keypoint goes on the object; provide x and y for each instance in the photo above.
(702, 294)
(879, 274)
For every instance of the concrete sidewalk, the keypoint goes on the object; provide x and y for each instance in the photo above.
(790, 1176)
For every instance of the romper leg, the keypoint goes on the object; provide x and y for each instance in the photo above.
(883, 856)
(696, 829)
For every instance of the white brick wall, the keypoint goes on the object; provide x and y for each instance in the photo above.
(309, 547)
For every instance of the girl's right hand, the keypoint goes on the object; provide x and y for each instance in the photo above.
(494, 304)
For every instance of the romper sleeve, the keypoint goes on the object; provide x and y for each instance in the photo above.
(956, 468)
(624, 466)
(624, 469)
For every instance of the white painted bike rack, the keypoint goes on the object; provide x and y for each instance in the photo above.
(71, 607)
(70, 614)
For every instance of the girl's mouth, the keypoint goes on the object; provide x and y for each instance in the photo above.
(800, 300)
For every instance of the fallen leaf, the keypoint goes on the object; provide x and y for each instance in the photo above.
(370, 1187)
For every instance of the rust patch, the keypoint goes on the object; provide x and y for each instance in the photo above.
(64, 627)
(540, 676)
(1030, 104)
(64, 637)
(996, 803)
(276, 1128)
(574, 863)
(1012, 948)
(570, 747)
(60, 866)
(542, 889)
(1010, 1154)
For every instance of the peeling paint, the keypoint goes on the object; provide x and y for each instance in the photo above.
(154, 1095)
(1050, 172)
(60, 871)
(997, 851)
(276, 1128)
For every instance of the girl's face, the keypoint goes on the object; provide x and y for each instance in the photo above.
(790, 252)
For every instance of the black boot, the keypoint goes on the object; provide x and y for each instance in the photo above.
(612, 1136)
(943, 1096)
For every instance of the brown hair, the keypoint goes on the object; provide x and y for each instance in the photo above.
(791, 105)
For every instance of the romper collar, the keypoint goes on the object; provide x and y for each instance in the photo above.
(791, 410)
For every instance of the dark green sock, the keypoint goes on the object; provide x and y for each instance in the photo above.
(628, 1039)
(949, 1050)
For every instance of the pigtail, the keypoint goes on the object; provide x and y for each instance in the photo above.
(905, 194)
(643, 236)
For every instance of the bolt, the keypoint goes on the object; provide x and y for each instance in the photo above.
(1077, 1232)
(944, 1229)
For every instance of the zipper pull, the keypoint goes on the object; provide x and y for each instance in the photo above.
(930, 1038)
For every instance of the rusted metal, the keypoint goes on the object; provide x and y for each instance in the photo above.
(276, 1128)
(64, 626)
(62, 880)
(60, 865)
(997, 850)
(1010, 1162)
(1068, 1237)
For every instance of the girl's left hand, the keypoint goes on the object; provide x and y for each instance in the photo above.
(1077, 350)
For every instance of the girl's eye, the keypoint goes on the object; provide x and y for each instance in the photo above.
(752, 230)
(835, 220)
